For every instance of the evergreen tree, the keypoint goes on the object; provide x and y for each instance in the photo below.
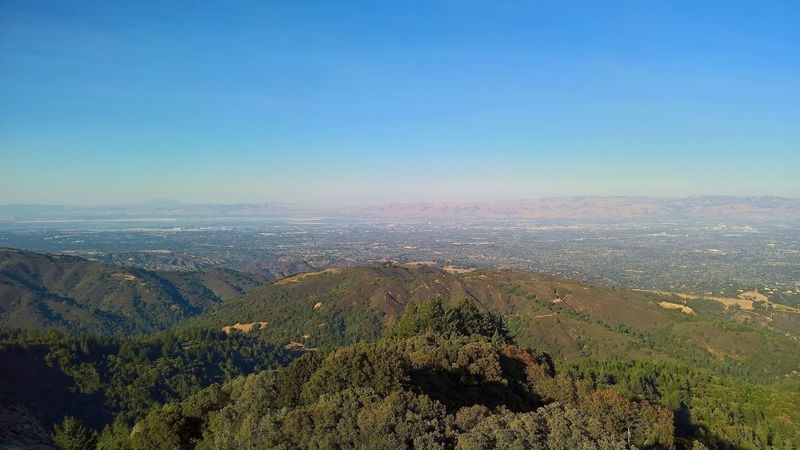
(71, 434)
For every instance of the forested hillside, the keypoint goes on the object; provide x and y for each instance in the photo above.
(50, 375)
(444, 377)
(564, 318)
(400, 356)
(38, 291)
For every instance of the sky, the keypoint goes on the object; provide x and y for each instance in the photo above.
(351, 102)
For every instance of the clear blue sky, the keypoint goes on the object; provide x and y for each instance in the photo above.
(361, 102)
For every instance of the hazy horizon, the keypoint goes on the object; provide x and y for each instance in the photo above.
(177, 202)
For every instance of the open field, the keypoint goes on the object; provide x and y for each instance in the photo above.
(302, 276)
(245, 327)
(743, 303)
(682, 308)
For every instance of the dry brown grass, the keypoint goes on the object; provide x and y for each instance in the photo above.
(458, 270)
(245, 327)
(684, 309)
(298, 347)
(303, 276)
(124, 276)
(726, 301)
(753, 295)
(745, 302)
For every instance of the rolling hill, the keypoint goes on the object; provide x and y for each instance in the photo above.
(565, 318)
(39, 291)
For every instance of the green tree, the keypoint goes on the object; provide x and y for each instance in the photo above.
(164, 428)
(466, 318)
(71, 434)
(115, 436)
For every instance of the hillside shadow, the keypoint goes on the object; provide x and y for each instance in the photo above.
(455, 391)
(45, 391)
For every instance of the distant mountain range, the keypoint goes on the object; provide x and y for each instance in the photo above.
(752, 208)
(699, 207)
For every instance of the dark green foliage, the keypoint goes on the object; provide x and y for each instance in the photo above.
(132, 374)
(435, 316)
(290, 381)
(552, 427)
(426, 391)
(380, 366)
(360, 418)
(115, 436)
(720, 411)
(638, 423)
(71, 434)
(561, 292)
(403, 420)
(462, 371)
(164, 428)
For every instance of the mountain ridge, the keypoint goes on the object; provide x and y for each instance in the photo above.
(42, 290)
(560, 316)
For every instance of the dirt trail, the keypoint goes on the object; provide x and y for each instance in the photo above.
(545, 315)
